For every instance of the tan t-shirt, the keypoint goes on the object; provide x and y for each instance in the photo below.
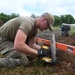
(27, 24)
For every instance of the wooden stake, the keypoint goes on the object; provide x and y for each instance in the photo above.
(53, 47)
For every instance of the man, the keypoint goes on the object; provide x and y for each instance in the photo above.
(65, 28)
(18, 39)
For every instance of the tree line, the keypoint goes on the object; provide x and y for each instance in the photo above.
(5, 17)
(69, 19)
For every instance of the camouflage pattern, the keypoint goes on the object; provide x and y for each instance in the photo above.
(11, 57)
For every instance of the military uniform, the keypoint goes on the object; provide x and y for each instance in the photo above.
(12, 57)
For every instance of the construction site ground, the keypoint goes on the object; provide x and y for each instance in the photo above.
(37, 68)
(70, 40)
(64, 68)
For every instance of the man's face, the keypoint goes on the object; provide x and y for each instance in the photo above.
(43, 25)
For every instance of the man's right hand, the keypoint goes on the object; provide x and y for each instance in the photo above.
(43, 53)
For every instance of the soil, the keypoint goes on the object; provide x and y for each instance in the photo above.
(63, 68)
(60, 68)
(69, 40)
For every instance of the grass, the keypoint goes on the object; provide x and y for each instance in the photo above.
(72, 31)
(56, 28)
(35, 68)
(27, 71)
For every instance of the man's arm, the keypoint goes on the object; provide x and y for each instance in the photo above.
(20, 45)
(32, 43)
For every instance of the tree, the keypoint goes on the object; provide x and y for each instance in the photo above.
(67, 19)
(62, 17)
(13, 15)
(33, 16)
(58, 21)
(5, 17)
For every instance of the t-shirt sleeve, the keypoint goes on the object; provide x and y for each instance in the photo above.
(26, 26)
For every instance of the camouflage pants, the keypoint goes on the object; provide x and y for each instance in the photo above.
(11, 57)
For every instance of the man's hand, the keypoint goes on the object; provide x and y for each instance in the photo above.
(43, 53)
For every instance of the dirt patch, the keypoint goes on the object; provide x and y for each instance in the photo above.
(64, 68)
(70, 40)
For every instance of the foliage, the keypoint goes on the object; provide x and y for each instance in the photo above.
(5, 17)
(58, 21)
(33, 16)
(69, 19)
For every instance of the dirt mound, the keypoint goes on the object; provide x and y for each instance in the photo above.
(63, 68)
(70, 40)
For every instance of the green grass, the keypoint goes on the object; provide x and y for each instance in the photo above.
(56, 28)
(72, 31)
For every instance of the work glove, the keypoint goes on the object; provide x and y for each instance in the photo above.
(48, 48)
(43, 53)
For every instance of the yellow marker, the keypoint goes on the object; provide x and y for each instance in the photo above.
(45, 47)
(47, 59)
